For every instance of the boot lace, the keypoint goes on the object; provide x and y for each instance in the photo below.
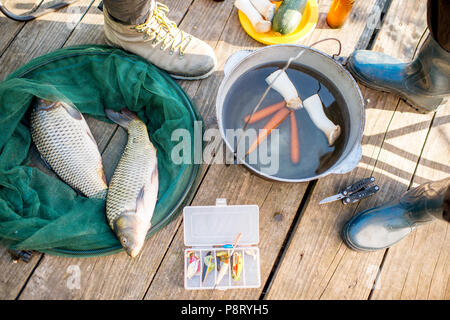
(160, 29)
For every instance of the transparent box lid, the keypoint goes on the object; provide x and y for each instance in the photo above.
(220, 224)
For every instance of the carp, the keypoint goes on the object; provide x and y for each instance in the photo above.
(133, 190)
(66, 144)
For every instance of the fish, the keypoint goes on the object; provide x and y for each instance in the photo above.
(66, 144)
(133, 190)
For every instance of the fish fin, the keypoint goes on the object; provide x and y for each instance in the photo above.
(143, 201)
(154, 178)
(122, 118)
(72, 111)
(102, 176)
(140, 200)
(45, 162)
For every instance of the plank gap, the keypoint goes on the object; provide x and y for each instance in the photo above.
(380, 269)
(376, 30)
(78, 23)
(334, 271)
(35, 7)
(372, 28)
(31, 274)
(12, 39)
(109, 139)
(184, 15)
(290, 234)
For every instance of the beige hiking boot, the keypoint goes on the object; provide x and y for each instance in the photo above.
(159, 41)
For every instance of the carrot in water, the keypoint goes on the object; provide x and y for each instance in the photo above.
(267, 111)
(295, 147)
(274, 122)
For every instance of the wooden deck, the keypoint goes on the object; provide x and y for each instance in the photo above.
(302, 255)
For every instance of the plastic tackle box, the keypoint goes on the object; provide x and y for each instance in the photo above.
(213, 230)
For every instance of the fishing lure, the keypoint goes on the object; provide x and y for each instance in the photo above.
(208, 265)
(251, 253)
(193, 264)
(224, 258)
(236, 266)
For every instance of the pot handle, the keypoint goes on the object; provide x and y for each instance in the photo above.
(350, 162)
(238, 56)
(337, 56)
(234, 60)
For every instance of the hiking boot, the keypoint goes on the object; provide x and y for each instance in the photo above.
(159, 41)
(381, 227)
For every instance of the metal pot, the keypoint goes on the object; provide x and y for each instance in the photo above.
(243, 61)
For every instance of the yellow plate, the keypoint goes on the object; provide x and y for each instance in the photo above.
(306, 26)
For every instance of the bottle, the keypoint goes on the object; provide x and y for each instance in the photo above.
(338, 13)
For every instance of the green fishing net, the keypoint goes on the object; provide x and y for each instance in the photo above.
(40, 212)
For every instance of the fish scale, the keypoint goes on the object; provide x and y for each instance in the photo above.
(67, 145)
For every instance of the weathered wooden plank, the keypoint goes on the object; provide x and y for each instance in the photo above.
(327, 268)
(42, 36)
(125, 278)
(373, 24)
(276, 197)
(11, 28)
(418, 267)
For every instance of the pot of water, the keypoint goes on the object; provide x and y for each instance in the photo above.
(312, 72)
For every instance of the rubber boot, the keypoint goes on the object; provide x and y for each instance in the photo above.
(381, 227)
(159, 41)
(424, 83)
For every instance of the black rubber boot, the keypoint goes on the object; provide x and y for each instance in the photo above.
(424, 82)
(381, 227)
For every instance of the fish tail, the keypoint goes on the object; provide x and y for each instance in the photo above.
(122, 118)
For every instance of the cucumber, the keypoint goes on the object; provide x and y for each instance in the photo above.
(288, 16)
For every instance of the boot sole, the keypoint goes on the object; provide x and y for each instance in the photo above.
(206, 75)
(178, 77)
(401, 96)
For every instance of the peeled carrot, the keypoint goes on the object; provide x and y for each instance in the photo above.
(274, 122)
(267, 111)
(295, 147)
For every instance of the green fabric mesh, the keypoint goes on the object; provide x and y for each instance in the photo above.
(40, 212)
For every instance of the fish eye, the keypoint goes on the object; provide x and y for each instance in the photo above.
(124, 240)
